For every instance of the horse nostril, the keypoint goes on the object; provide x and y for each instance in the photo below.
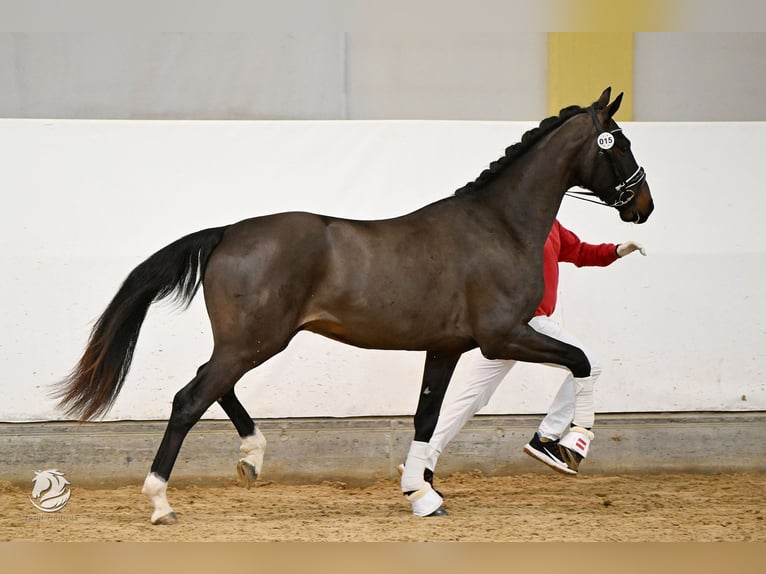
(641, 217)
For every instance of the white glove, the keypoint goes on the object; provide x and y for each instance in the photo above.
(628, 247)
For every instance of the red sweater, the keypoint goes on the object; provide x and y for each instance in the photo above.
(563, 245)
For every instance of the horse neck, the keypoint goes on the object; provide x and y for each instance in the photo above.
(528, 193)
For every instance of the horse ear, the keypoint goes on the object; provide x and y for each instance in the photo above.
(604, 99)
(614, 106)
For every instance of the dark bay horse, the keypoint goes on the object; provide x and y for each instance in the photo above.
(460, 273)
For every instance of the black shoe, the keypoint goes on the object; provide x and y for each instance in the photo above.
(547, 451)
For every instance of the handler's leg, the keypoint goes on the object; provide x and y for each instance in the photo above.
(481, 383)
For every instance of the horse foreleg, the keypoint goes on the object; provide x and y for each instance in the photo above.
(189, 404)
(253, 444)
(527, 345)
(421, 458)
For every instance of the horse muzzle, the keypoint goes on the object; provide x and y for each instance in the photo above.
(640, 207)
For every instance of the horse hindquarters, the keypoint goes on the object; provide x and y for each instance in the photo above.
(259, 280)
(253, 305)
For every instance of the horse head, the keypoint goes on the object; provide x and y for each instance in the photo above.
(614, 174)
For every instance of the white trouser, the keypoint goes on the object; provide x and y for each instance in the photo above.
(573, 404)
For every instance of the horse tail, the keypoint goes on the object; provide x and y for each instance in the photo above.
(177, 269)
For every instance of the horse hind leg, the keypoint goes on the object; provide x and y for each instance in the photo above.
(253, 444)
(212, 381)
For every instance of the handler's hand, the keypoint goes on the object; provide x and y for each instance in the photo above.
(628, 247)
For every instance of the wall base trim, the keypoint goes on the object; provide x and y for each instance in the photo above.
(362, 450)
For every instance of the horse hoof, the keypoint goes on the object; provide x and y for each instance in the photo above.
(441, 511)
(166, 520)
(247, 472)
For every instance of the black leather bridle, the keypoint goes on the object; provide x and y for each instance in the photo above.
(625, 190)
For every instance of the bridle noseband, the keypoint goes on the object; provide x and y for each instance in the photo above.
(625, 190)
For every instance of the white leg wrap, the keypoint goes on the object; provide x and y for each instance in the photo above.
(425, 501)
(156, 489)
(578, 440)
(421, 453)
(561, 412)
(254, 448)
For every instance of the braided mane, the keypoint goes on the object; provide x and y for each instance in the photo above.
(527, 141)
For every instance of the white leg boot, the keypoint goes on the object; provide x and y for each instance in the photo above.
(250, 467)
(424, 499)
(574, 446)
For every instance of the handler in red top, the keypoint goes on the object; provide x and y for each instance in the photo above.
(564, 434)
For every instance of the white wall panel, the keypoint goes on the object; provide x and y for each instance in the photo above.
(85, 201)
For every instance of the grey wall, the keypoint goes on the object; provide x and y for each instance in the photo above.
(469, 77)
(316, 75)
(326, 74)
(152, 75)
(699, 76)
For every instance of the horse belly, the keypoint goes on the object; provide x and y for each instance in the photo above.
(384, 324)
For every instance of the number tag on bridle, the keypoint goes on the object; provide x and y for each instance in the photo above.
(605, 140)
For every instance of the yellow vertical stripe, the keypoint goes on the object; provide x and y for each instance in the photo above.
(582, 64)
(621, 15)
